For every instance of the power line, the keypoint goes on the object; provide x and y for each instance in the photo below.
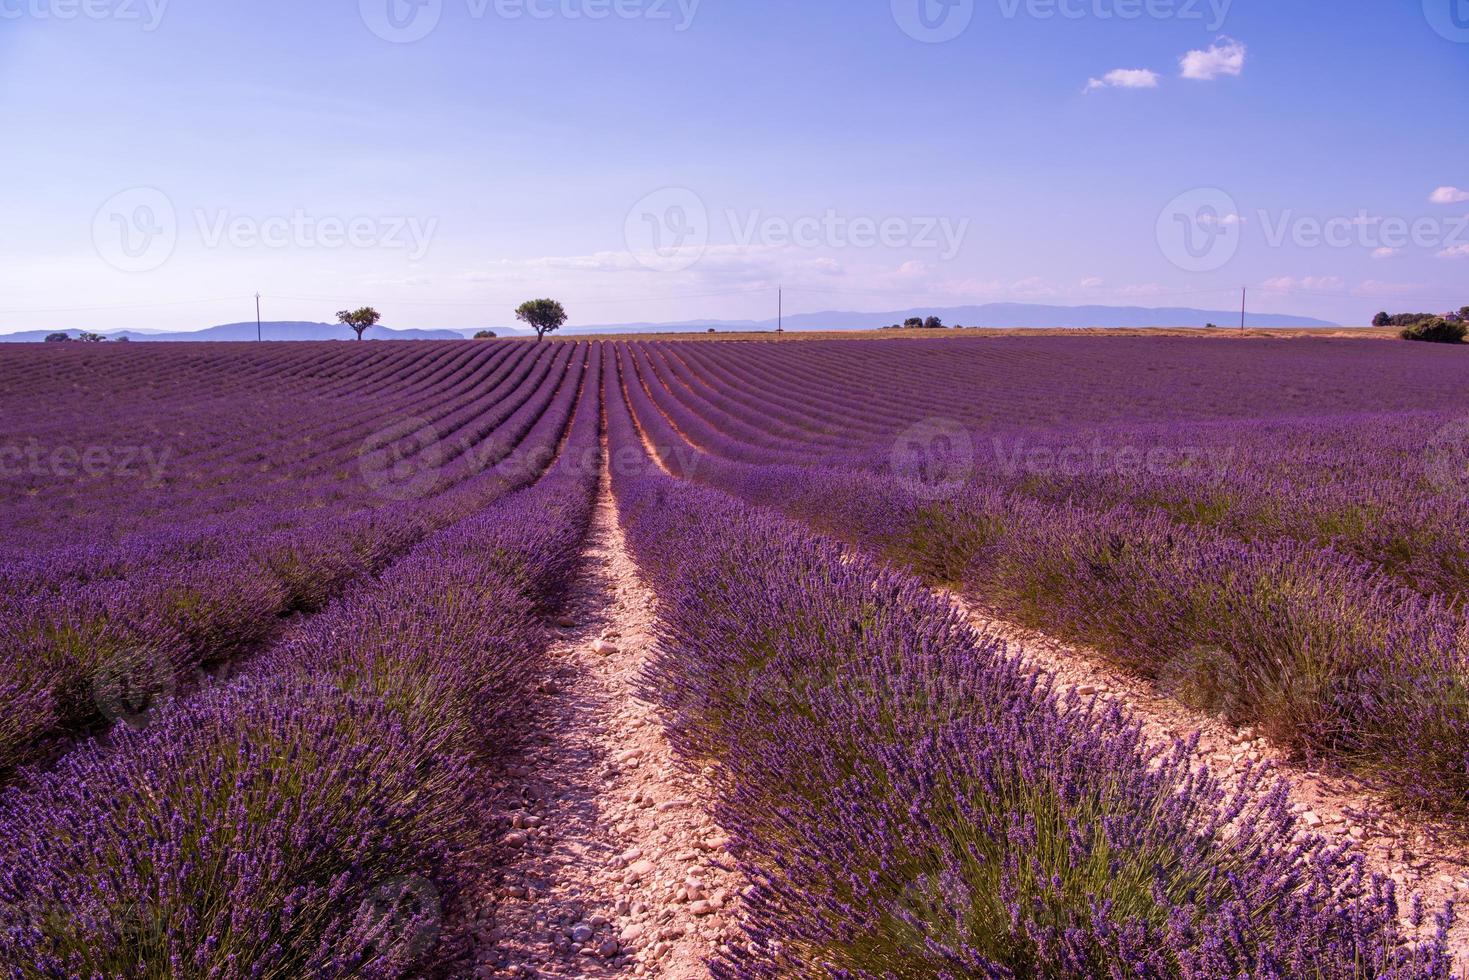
(138, 306)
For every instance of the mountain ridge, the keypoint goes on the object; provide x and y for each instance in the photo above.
(1023, 315)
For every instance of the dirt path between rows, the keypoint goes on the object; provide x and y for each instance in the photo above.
(610, 864)
(1423, 858)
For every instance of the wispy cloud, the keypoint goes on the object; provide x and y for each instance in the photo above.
(1124, 78)
(1385, 252)
(1288, 284)
(1456, 252)
(1449, 195)
(1226, 57)
(1376, 287)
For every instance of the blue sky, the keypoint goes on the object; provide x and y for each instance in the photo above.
(673, 159)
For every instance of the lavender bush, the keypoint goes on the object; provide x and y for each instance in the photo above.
(910, 802)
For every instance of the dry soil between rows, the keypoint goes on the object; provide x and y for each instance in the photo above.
(1425, 858)
(609, 863)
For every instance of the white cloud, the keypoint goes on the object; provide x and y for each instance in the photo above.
(1226, 57)
(1449, 195)
(1385, 252)
(1227, 221)
(1457, 252)
(1032, 287)
(1125, 78)
(1092, 282)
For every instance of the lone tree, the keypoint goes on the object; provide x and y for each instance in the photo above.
(57, 338)
(913, 323)
(933, 323)
(485, 335)
(544, 315)
(360, 320)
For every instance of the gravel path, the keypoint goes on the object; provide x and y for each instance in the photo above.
(609, 864)
(1425, 858)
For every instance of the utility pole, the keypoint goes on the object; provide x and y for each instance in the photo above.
(1243, 297)
(257, 318)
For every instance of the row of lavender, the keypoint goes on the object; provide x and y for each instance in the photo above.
(1389, 487)
(321, 813)
(907, 801)
(83, 653)
(843, 393)
(1325, 653)
(274, 449)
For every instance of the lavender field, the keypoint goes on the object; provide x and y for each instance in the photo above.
(291, 631)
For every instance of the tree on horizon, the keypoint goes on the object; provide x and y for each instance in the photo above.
(544, 315)
(360, 320)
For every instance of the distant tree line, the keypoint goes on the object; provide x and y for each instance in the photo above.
(1386, 319)
(920, 323)
(1446, 328)
(82, 338)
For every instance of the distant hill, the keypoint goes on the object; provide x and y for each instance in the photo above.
(270, 330)
(988, 315)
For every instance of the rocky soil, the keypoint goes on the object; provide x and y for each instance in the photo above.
(609, 864)
(1425, 858)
